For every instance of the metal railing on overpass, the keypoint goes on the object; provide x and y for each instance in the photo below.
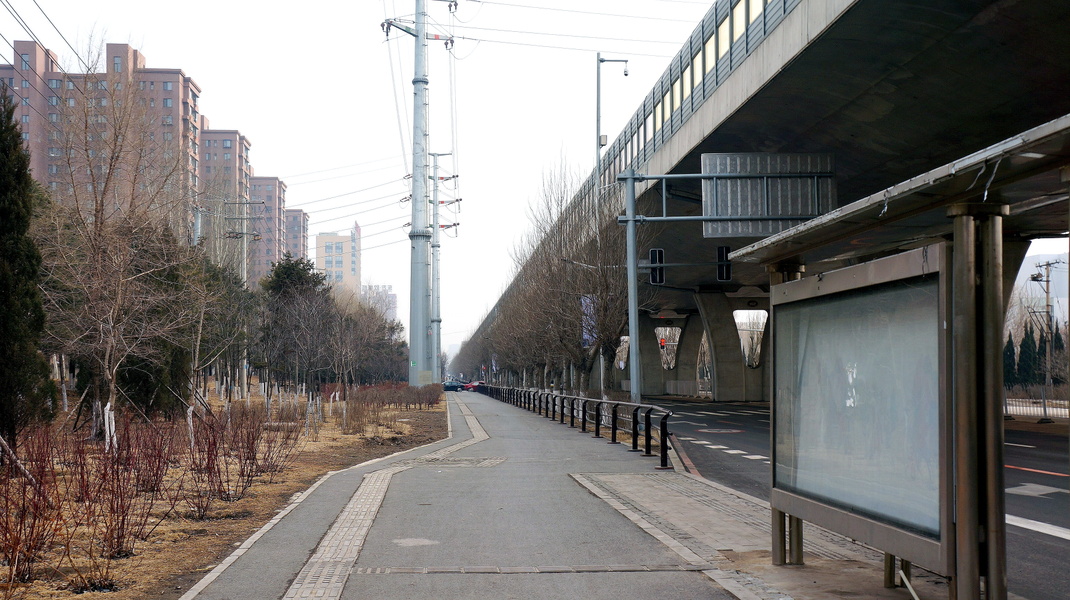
(594, 413)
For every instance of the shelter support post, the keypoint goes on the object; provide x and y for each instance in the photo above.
(792, 531)
(977, 330)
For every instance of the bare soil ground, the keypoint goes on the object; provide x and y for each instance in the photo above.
(183, 550)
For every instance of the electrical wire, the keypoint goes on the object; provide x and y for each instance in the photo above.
(344, 194)
(572, 35)
(368, 162)
(585, 12)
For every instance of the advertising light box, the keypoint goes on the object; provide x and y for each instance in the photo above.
(859, 403)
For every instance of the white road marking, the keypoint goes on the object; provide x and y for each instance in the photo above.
(1018, 445)
(734, 452)
(756, 457)
(1039, 527)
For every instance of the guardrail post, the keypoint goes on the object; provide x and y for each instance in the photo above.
(583, 415)
(571, 411)
(648, 435)
(635, 430)
(562, 411)
(613, 425)
(598, 420)
(665, 441)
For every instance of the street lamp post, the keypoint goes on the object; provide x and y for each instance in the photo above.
(597, 183)
(598, 108)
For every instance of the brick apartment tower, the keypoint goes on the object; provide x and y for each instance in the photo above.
(268, 208)
(69, 120)
(226, 213)
(296, 232)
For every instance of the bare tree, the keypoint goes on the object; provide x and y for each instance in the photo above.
(112, 260)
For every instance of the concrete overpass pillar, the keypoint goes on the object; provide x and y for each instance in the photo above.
(733, 381)
(650, 355)
(682, 379)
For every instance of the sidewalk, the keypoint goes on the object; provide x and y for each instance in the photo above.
(515, 505)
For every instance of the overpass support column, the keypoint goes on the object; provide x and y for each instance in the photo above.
(733, 381)
(650, 357)
(686, 372)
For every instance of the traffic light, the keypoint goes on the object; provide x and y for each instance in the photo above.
(657, 274)
(661, 342)
(724, 266)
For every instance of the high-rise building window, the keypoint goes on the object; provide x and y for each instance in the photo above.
(53, 100)
(226, 143)
(25, 84)
(25, 119)
(26, 101)
(54, 83)
(25, 61)
(168, 120)
(168, 86)
(70, 85)
(117, 64)
(53, 117)
(226, 156)
(168, 103)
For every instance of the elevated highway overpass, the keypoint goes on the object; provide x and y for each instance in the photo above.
(892, 89)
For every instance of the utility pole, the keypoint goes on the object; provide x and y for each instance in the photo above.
(436, 310)
(420, 236)
(1049, 332)
(420, 330)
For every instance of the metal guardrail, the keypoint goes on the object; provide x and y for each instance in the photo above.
(1036, 407)
(606, 413)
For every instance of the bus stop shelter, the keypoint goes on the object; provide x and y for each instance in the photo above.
(962, 231)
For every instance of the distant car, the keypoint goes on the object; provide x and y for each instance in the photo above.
(471, 385)
(452, 386)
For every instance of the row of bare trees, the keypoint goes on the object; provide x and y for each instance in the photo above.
(140, 312)
(566, 309)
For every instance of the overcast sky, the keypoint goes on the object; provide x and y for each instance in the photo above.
(326, 101)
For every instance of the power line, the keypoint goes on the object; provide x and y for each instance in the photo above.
(585, 12)
(570, 48)
(334, 168)
(569, 35)
(345, 194)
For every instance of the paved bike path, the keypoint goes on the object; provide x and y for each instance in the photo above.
(508, 507)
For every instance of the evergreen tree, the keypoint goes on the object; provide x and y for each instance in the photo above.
(1040, 373)
(1010, 366)
(1058, 345)
(23, 370)
(1027, 357)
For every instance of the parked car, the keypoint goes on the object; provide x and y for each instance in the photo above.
(452, 385)
(471, 385)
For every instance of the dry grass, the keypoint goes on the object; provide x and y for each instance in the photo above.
(181, 550)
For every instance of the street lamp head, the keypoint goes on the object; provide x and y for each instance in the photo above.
(625, 69)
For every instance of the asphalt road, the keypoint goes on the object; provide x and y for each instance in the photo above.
(729, 443)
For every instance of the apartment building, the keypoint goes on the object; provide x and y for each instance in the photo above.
(223, 196)
(296, 232)
(383, 299)
(338, 257)
(268, 208)
(71, 124)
